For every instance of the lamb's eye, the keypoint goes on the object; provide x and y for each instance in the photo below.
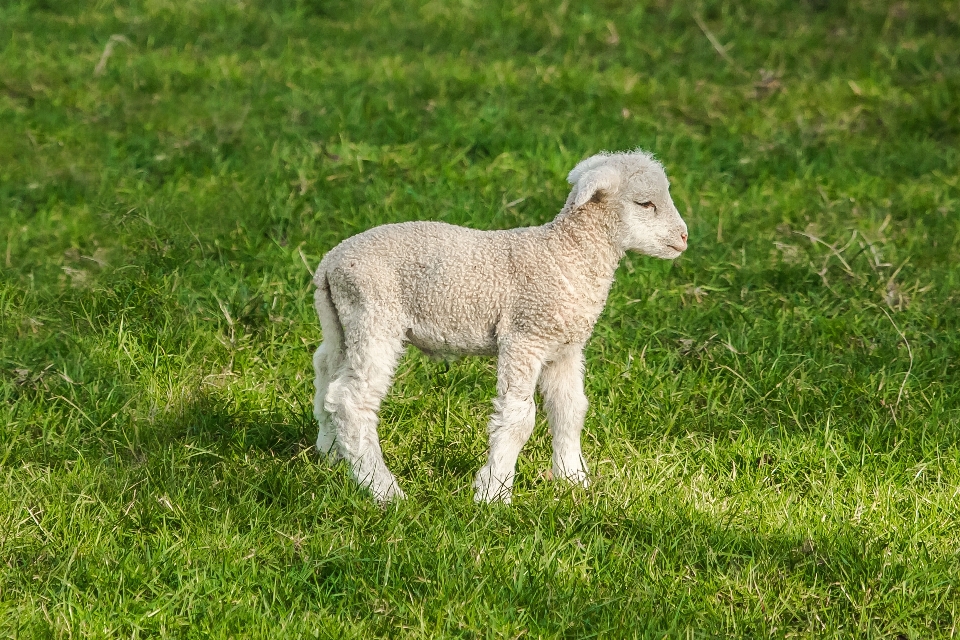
(646, 205)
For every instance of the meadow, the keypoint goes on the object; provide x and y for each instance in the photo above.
(774, 431)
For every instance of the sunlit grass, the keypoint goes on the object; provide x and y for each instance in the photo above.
(774, 432)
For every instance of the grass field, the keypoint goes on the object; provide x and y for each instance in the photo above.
(774, 432)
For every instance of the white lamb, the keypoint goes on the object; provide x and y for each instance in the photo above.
(530, 296)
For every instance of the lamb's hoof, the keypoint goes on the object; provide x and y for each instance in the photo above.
(327, 448)
(573, 476)
(491, 489)
(487, 497)
(331, 456)
(392, 493)
(374, 476)
(384, 487)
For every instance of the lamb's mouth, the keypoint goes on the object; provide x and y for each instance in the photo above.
(676, 248)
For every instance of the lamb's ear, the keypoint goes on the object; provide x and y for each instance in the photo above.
(585, 165)
(604, 178)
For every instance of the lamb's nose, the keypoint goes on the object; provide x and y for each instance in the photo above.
(683, 236)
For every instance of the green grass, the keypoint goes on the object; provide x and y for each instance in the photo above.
(774, 430)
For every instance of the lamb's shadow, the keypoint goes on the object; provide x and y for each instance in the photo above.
(431, 427)
(214, 420)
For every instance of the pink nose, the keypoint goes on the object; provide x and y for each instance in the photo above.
(683, 236)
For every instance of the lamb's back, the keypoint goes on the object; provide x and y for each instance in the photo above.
(451, 285)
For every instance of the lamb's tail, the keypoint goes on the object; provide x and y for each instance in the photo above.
(326, 362)
(329, 318)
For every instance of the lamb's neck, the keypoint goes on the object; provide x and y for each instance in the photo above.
(589, 239)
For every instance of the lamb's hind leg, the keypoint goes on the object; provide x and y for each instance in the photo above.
(512, 421)
(566, 406)
(353, 401)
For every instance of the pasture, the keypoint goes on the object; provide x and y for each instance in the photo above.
(774, 431)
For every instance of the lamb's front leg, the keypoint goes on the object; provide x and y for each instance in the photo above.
(566, 407)
(512, 421)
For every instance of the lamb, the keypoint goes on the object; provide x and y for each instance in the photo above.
(530, 296)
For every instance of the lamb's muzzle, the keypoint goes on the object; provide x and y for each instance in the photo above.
(530, 296)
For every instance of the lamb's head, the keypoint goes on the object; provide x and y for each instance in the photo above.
(635, 186)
